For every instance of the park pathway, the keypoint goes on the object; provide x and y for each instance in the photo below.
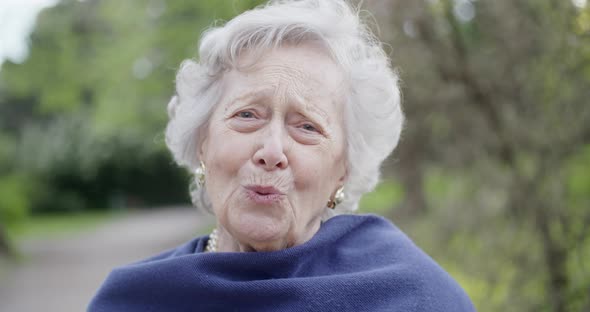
(62, 274)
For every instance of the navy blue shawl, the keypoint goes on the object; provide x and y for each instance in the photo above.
(353, 263)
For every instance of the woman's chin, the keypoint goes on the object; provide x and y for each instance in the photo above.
(260, 232)
(267, 246)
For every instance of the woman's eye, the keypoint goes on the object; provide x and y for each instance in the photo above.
(245, 114)
(309, 127)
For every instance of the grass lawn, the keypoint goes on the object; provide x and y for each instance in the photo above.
(51, 226)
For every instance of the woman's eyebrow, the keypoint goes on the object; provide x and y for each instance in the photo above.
(311, 107)
(241, 97)
(303, 104)
(318, 112)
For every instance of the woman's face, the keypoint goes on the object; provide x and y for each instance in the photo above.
(275, 149)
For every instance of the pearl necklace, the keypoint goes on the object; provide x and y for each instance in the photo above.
(212, 242)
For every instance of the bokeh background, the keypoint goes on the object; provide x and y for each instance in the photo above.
(491, 177)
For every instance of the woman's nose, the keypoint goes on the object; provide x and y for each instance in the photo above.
(271, 154)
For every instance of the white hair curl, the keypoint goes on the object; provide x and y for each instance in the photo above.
(373, 117)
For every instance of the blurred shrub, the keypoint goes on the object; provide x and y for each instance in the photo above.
(578, 197)
(386, 195)
(14, 187)
(14, 198)
(86, 110)
(77, 168)
(578, 179)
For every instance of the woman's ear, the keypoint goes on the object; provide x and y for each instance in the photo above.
(343, 177)
(202, 147)
(201, 151)
(341, 182)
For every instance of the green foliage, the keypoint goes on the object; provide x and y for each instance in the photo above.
(58, 225)
(385, 196)
(496, 145)
(440, 186)
(15, 188)
(84, 116)
(82, 120)
(578, 181)
(578, 201)
(14, 194)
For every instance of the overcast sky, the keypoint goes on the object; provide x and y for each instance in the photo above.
(17, 20)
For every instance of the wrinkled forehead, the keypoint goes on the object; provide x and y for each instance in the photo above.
(305, 71)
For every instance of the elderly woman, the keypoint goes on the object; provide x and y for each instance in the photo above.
(285, 121)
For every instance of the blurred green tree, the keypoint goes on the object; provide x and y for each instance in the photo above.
(82, 120)
(496, 94)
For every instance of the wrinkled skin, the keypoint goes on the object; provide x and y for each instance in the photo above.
(275, 149)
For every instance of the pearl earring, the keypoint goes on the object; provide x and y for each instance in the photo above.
(200, 175)
(338, 198)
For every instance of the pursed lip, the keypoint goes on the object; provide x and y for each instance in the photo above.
(263, 195)
(264, 190)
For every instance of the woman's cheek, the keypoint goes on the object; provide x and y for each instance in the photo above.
(244, 126)
(304, 137)
(308, 170)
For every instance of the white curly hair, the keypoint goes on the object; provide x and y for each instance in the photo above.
(373, 118)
